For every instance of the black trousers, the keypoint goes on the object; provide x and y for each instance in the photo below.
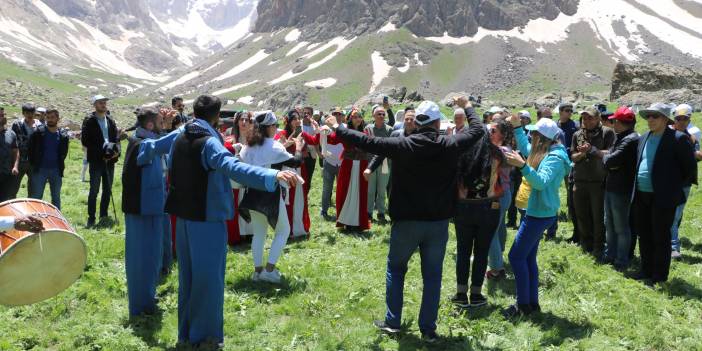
(25, 169)
(516, 177)
(100, 173)
(653, 228)
(310, 165)
(7, 187)
(476, 224)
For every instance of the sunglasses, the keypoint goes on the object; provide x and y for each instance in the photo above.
(682, 118)
(380, 114)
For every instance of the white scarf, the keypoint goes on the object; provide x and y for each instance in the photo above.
(270, 153)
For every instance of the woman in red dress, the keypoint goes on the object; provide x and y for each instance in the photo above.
(351, 186)
(234, 139)
(296, 203)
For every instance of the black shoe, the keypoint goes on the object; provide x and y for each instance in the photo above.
(535, 308)
(573, 240)
(381, 218)
(640, 276)
(385, 328)
(460, 300)
(370, 217)
(620, 268)
(430, 337)
(515, 311)
(477, 300)
(90, 223)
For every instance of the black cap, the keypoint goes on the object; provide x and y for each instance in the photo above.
(29, 107)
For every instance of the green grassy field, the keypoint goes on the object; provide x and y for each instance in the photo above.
(334, 287)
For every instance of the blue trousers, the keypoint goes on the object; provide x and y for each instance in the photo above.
(617, 223)
(202, 253)
(405, 238)
(142, 261)
(39, 178)
(497, 246)
(167, 243)
(522, 256)
(675, 229)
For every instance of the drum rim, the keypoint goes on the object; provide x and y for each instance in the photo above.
(80, 238)
(7, 202)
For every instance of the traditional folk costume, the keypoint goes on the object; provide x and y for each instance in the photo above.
(271, 209)
(296, 205)
(237, 227)
(143, 200)
(351, 187)
(200, 170)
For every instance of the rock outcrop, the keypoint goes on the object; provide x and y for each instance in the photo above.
(322, 19)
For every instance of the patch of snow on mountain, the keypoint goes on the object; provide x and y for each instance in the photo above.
(297, 48)
(246, 100)
(294, 35)
(185, 78)
(51, 15)
(322, 83)
(388, 27)
(250, 62)
(381, 70)
(406, 67)
(340, 42)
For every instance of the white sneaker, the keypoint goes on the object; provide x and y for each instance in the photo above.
(256, 276)
(676, 255)
(271, 277)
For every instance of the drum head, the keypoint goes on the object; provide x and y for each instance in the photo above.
(40, 266)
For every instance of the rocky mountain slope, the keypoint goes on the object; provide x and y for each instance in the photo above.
(331, 52)
(142, 39)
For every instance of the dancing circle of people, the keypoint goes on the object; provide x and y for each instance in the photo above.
(192, 185)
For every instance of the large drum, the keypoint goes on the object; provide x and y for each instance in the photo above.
(35, 267)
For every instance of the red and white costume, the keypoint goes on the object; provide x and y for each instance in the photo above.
(296, 203)
(351, 186)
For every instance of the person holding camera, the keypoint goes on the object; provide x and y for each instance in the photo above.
(100, 136)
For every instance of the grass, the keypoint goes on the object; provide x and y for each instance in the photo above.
(334, 288)
(10, 70)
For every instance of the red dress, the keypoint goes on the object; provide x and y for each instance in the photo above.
(233, 234)
(351, 186)
(296, 202)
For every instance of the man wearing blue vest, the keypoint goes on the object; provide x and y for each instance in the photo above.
(200, 197)
(143, 200)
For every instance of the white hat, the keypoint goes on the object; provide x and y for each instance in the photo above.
(546, 127)
(41, 109)
(683, 110)
(459, 111)
(495, 109)
(428, 112)
(265, 118)
(97, 98)
(524, 114)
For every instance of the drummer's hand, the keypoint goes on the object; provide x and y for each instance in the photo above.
(29, 224)
(287, 177)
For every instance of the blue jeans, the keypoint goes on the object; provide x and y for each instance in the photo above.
(405, 238)
(675, 229)
(497, 246)
(39, 178)
(522, 256)
(616, 214)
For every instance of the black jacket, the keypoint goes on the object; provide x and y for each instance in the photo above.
(36, 148)
(673, 167)
(91, 137)
(620, 163)
(424, 168)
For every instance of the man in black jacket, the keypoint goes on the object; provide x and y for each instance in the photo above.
(665, 163)
(23, 129)
(48, 148)
(620, 163)
(422, 200)
(100, 136)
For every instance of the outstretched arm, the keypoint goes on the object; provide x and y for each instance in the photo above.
(152, 148)
(388, 147)
(216, 156)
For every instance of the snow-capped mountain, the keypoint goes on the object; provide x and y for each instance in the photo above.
(143, 39)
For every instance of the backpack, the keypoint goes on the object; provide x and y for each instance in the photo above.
(475, 169)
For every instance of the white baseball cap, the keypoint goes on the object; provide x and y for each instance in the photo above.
(97, 98)
(683, 110)
(266, 118)
(428, 112)
(546, 127)
(495, 109)
(524, 114)
(41, 109)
